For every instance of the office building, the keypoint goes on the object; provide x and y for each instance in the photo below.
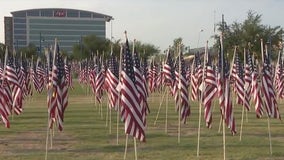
(41, 26)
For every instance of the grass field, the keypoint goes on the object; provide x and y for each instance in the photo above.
(86, 136)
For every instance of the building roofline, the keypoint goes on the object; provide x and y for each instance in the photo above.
(107, 17)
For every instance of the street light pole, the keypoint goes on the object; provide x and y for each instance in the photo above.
(199, 37)
(17, 44)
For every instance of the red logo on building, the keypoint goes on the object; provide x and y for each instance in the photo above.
(59, 13)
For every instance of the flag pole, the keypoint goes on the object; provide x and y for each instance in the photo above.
(126, 138)
(117, 102)
(30, 77)
(268, 116)
(13, 106)
(179, 93)
(110, 115)
(200, 102)
(223, 82)
(167, 103)
(52, 93)
(161, 102)
(110, 112)
(49, 99)
(135, 148)
(275, 72)
(126, 143)
(95, 83)
(4, 67)
(101, 104)
(220, 124)
(244, 97)
(107, 112)
(134, 139)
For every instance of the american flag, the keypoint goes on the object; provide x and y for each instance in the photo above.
(91, 71)
(68, 76)
(248, 73)
(168, 70)
(60, 90)
(99, 81)
(5, 109)
(224, 93)
(140, 83)
(6, 90)
(159, 78)
(239, 83)
(228, 114)
(188, 74)
(181, 95)
(152, 73)
(111, 81)
(28, 83)
(196, 77)
(40, 74)
(21, 68)
(13, 81)
(83, 72)
(268, 90)
(256, 92)
(144, 70)
(209, 91)
(133, 118)
(33, 76)
(279, 77)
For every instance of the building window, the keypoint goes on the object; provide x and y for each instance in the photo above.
(46, 13)
(33, 13)
(19, 14)
(85, 14)
(72, 13)
(20, 25)
(20, 37)
(20, 31)
(19, 20)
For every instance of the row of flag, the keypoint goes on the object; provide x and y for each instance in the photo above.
(129, 81)
(250, 80)
(19, 77)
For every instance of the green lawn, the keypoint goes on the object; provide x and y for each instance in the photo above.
(86, 136)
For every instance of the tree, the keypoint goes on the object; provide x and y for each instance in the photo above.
(248, 35)
(91, 45)
(176, 43)
(29, 51)
(146, 50)
(2, 50)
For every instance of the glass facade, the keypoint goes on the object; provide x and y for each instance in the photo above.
(42, 26)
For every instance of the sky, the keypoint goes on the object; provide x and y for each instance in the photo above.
(159, 22)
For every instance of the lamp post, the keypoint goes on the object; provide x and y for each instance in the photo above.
(199, 38)
(16, 45)
(40, 40)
